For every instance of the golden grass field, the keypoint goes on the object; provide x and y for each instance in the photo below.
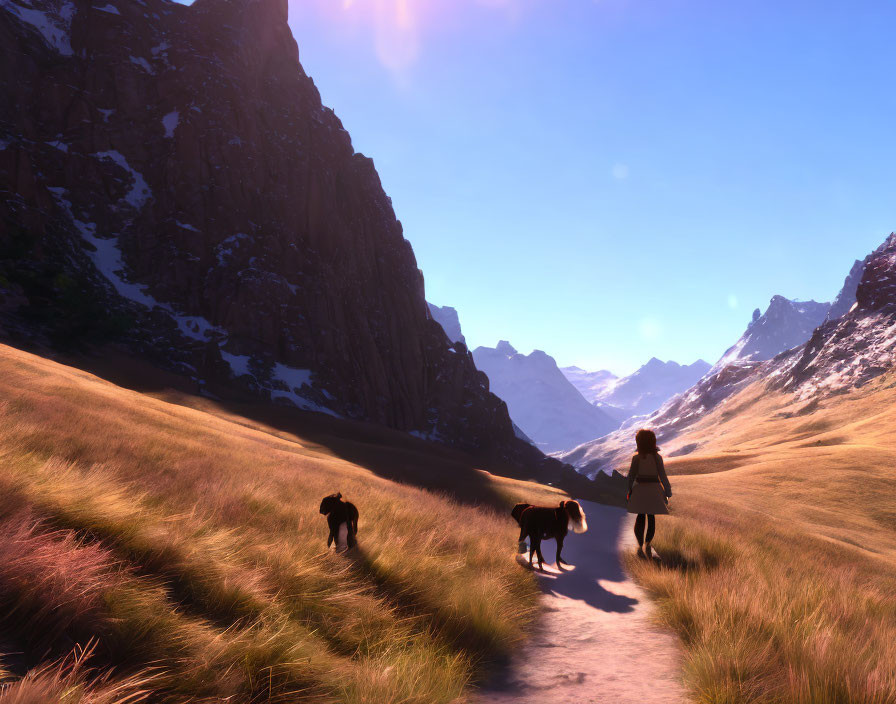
(781, 550)
(160, 546)
(165, 547)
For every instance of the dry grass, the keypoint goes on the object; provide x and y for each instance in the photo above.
(780, 571)
(69, 681)
(188, 540)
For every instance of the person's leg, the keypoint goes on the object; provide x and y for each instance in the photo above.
(651, 527)
(639, 529)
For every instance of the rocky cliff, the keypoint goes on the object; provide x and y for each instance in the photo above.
(170, 180)
(847, 296)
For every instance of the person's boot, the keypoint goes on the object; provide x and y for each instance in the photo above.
(640, 554)
(648, 551)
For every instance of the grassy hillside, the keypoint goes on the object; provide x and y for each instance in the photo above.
(150, 549)
(783, 549)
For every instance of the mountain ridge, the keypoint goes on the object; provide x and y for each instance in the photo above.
(836, 355)
(541, 400)
(639, 393)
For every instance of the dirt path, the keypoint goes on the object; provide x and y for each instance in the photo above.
(596, 643)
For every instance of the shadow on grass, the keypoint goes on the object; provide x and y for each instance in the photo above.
(448, 627)
(688, 558)
(389, 453)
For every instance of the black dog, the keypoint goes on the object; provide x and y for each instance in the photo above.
(339, 512)
(543, 523)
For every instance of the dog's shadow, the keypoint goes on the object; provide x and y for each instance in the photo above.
(594, 559)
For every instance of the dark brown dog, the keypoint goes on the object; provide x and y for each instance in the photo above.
(339, 512)
(518, 511)
(543, 523)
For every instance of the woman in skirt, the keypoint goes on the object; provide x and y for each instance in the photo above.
(648, 489)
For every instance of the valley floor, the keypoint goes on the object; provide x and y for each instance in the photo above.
(597, 640)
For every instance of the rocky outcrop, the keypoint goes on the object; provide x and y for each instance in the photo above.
(446, 316)
(171, 180)
(847, 296)
(784, 325)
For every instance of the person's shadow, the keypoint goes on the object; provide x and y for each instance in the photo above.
(594, 556)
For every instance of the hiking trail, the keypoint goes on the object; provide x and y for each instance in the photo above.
(596, 641)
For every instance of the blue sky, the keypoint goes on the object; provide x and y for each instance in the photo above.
(612, 180)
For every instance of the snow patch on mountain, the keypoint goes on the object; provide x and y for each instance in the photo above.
(592, 385)
(142, 63)
(53, 25)
(283, 382)
(170, 122)
(139, 191)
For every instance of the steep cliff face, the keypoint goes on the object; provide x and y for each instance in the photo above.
(847, 296)
(170, 178)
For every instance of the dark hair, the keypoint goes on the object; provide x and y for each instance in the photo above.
(646, 442)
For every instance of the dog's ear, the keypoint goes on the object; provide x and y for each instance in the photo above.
(338, 494)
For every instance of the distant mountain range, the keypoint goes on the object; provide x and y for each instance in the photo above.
(639, 393)
(592, 385)
(541, 400)
(810, 349)
(558, 409)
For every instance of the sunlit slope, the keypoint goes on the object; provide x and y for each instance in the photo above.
(827, 464)
(782, 548)
(189, 543)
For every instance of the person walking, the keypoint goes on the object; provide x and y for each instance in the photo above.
(648, 489)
